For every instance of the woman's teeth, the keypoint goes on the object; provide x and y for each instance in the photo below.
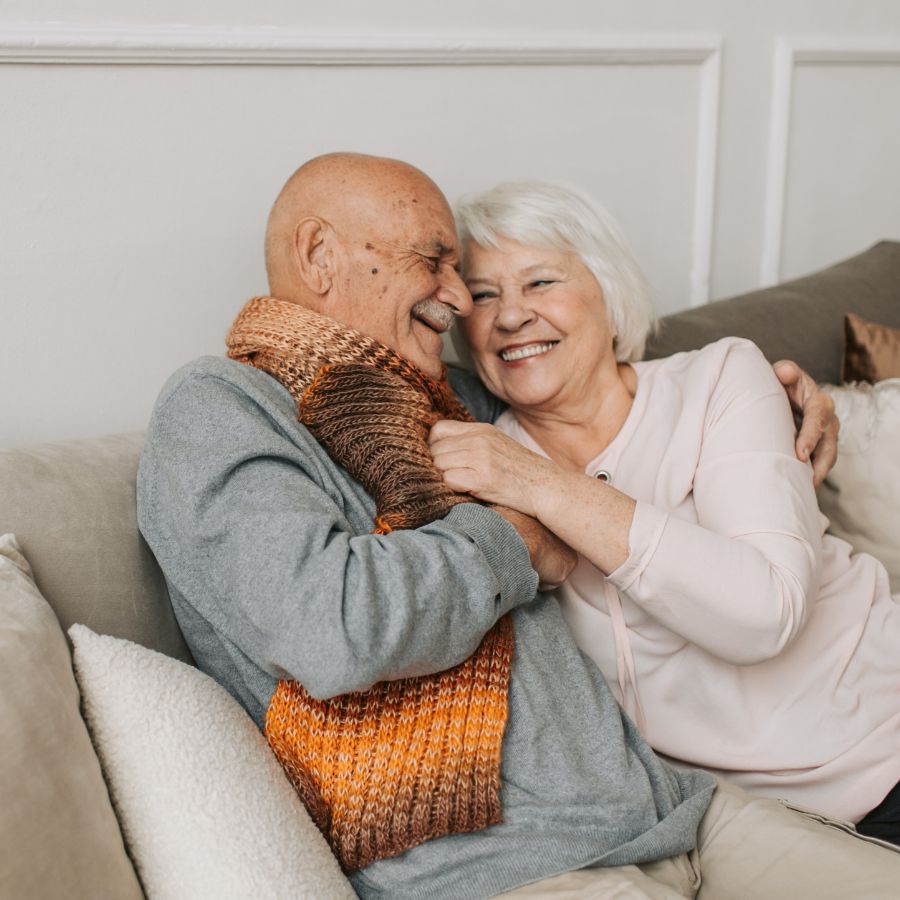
(525, 352)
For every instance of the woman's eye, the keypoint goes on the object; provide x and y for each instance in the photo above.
(541, 282)
(482, 296)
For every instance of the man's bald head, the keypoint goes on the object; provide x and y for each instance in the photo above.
(348, 192)
(371, 243)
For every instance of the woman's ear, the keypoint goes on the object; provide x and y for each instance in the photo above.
(313, 254)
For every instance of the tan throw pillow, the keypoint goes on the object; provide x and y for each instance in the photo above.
(871, 352)
(205, 808)
(861, 495)
(58, 833)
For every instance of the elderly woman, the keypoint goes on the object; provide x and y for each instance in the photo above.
(737, 634)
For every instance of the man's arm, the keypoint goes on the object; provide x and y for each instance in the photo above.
(814, 411)
(480, 402)
(269, 542)
(818, 435)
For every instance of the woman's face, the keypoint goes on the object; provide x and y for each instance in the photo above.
(538, 331)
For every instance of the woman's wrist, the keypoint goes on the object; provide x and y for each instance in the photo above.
(552, 494)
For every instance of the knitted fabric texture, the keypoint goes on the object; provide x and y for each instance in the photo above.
(382, 770)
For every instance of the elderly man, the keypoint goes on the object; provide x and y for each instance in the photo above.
(430, 707)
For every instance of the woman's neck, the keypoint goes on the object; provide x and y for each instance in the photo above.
(574, 433)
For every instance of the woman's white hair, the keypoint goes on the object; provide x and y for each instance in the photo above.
(541, 214)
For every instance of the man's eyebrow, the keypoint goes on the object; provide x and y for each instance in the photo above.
(436, 248)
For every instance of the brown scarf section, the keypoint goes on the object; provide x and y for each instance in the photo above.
(383, 770)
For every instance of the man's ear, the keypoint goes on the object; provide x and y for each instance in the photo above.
(313, 253)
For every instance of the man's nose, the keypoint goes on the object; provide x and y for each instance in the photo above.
(453, 291)
(513, 310)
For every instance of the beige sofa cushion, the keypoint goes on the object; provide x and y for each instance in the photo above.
(72, 506)
(205, 807)
(58, 831)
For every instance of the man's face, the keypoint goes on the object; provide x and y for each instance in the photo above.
(398, 279)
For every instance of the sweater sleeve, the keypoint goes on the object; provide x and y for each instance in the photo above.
(480, 402)
(264, 537)
(739, 581)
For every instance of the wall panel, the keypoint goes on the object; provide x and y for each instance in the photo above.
(145, 174)
(736, 143)
(833, 179)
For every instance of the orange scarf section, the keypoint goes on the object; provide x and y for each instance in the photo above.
(384, 770)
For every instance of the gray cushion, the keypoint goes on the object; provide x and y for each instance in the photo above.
(72, 507)
(58, 833)
(801, 320)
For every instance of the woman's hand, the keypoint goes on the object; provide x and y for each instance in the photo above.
(817, 440)
(482, 461)
(589, 516)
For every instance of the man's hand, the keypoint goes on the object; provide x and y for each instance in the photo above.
(550, 557)
(819, 425)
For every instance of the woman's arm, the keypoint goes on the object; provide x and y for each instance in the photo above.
(591, 517)
(738, 581)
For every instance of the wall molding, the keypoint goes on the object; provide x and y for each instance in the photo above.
(705, 179)
(194, 45)
(791, 53)
(43, 44)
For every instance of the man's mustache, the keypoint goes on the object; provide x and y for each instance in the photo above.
(435, 311)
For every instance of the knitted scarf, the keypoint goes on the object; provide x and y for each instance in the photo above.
(406, 761)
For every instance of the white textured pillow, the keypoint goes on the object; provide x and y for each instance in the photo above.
(204, 806)
(861, 495)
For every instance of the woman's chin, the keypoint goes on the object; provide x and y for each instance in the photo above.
(530, 402)
(523, 395)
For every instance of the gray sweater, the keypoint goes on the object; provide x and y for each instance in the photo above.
(273, 573)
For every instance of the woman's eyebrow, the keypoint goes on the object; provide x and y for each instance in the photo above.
(527, 272)
(538, 267)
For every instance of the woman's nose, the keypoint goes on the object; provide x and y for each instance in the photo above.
(514, 311)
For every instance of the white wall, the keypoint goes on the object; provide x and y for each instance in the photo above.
(141, 148)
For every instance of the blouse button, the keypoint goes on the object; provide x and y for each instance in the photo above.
(603, 476)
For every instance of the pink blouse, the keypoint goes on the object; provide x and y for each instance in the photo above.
(738, 635)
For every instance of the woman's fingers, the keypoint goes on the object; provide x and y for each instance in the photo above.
(484, 462)
(445, 429)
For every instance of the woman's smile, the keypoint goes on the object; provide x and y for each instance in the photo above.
(527, 301)
(516, 353)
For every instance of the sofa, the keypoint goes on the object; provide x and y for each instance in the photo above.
(71, 507)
